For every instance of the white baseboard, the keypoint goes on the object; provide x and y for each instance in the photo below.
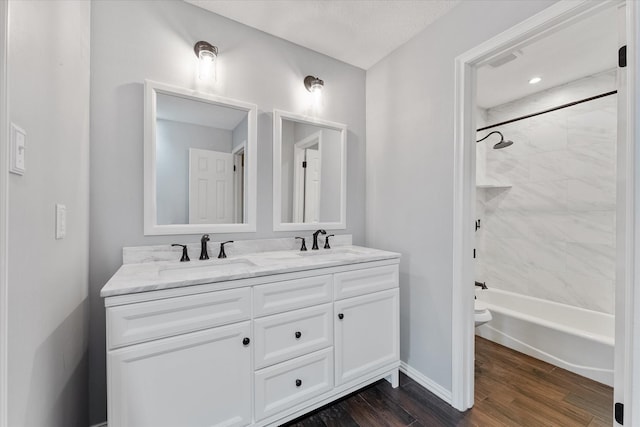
(426, 382)
(99, 425)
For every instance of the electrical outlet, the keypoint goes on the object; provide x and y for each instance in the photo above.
(61, 221)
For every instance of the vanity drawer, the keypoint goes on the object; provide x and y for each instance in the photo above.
(285, 385)
(360, 282)
(283, 336)
(291, 294)
(146, 321)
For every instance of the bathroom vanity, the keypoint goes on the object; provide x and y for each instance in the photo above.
(255, 339)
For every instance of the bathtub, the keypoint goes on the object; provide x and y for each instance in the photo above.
(572, 338)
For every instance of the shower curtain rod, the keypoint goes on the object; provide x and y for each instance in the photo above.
(570, 104)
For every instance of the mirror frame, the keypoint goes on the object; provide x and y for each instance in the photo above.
(278, 225)
(151, 226)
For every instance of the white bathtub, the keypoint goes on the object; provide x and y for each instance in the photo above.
(572, 338)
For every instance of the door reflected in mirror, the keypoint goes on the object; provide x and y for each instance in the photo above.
(199, 162)
(311, 173)
(200, 154)
(309, 165)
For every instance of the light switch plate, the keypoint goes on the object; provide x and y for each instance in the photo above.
(18, 150)
(61, 221)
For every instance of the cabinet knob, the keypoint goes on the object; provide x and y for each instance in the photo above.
(340, 316)
(298, 383)
(298, 335)
(246, 341)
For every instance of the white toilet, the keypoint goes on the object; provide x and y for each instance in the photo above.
(482, 314)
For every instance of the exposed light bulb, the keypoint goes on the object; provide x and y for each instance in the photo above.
(207, 58)
(535, 80)
(207, 65)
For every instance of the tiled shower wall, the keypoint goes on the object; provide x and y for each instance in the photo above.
(551, 234)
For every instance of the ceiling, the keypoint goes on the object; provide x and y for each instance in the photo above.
(359, 33)
(579, 50)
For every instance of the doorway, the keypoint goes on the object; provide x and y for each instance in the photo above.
(307, 157)
(547, 22)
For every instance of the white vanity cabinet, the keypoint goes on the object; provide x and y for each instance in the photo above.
(181, 361)
(366, 334)
(197, 379)
(261, 352)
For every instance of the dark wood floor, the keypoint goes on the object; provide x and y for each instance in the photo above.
(512, 389)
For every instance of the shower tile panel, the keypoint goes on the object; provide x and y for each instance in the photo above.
(548, 135)
(597, 227)
(531, 197)
(594, 260)
(577, 289)
(548, 166)
(552, 234)
(506, 224)
(593, 127)
(511, 171)
(592, 162)
(548, 226)
(591, 195)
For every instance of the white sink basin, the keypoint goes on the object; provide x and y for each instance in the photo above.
(212, 267)
(329, 252)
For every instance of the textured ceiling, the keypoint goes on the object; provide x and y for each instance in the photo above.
(358, 32)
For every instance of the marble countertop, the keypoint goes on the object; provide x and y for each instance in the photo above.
(152, 276)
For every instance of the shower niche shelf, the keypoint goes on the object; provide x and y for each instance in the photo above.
(492, 185)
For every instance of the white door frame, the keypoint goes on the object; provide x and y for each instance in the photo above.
(560, 14)
(4, 207)
(238, 187)
(299, 182)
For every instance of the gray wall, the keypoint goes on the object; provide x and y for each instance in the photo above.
(240, 134)
(409, 201)
(173, 141)
(48, 316)
(136, 40)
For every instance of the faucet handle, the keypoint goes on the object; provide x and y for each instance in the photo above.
(222, 254)
(185, 255)
(326, 241)
(304, 246)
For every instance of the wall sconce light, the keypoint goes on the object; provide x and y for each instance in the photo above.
(207, 57)
(313, 84)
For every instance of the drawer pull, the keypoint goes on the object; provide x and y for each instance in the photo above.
(298, 383)
(340, 316)
(298, 335)
(246, 341)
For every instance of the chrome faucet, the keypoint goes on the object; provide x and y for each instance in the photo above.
(203, 247)
(315, 238)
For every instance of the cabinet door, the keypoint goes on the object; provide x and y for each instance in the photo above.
(366, 334)
(197, 379)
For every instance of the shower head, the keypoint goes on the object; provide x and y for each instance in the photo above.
(501, 144)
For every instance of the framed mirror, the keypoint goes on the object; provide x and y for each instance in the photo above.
(199, 162)
(309, 173)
